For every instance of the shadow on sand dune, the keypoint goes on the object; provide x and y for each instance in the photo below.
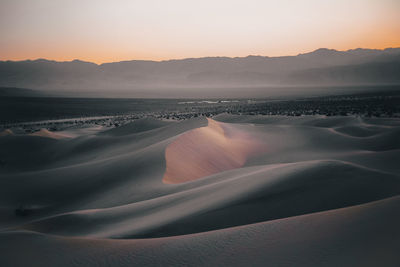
(310, 190)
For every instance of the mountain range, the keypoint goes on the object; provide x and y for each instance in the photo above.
(320, 68)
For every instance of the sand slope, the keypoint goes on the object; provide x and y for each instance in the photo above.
(6, 132)
(365, 235)
(48, 134)
(304, 191)
(208, 150)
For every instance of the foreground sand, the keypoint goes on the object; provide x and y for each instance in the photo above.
(231, 191)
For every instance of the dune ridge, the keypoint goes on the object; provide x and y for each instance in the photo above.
(363, 235)
(208, 150)
(6, 132)
(309, 190)
(258, 188)
(49, 134)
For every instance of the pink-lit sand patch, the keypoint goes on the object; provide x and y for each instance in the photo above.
(49, 134)
(208, 150)
(6, 132)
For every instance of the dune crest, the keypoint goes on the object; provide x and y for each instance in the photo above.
(49, 134)
(6, 132)
(208, 150)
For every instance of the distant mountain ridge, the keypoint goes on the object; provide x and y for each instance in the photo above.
(322, 67)
(21, 92)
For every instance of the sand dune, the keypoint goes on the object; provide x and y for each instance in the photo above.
(364, 235)
(141, 125)
(6, 132)
(232, 190)
(264, 190)
(208, 150)
(48, 134)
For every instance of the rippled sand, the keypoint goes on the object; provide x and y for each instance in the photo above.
(227, 191)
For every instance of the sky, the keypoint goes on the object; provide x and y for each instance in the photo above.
(105, 31)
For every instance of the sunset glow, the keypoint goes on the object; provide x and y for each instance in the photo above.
(103, 31)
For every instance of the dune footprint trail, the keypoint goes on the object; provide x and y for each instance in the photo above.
(208, 150)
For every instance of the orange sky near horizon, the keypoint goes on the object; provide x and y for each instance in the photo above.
(106, 31)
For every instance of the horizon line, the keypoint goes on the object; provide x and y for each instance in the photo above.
(204, 57)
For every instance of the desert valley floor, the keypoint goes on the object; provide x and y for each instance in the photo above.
(231, 190)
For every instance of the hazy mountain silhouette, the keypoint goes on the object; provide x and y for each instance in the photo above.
(323, 67)
(12, 91)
